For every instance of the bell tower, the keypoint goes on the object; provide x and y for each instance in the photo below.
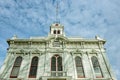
(57, 29)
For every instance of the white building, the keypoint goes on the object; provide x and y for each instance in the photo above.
(56, 57)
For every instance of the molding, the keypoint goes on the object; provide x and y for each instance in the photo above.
(55, 50)
(78, 51)
(93, 51)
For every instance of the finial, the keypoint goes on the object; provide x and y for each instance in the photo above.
(14, 37)
(98, 38)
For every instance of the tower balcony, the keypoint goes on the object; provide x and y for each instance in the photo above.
(56, 75)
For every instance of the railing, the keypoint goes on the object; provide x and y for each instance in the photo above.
(2, 79)
(57, 73)
(12, 79)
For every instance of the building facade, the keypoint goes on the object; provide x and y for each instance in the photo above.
(56, 57)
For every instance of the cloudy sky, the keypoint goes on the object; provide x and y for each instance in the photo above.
(84, 18)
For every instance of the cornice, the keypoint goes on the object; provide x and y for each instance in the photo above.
(50, 37)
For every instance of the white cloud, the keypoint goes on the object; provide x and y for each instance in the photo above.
(86, 17)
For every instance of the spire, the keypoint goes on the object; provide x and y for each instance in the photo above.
(57, 11)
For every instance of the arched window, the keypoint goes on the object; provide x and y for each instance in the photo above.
(79, 67)
(56, 65)
(33, 68)
(96, 67)
(58, 31)
(16, 67)
(54, 31)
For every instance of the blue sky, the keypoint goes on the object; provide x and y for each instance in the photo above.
(84, 18)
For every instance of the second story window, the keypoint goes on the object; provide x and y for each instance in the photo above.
(33, 68)
(79, 67)
(56, 65)
(16, 67)
(96, 67)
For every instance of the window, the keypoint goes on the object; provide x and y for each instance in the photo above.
(54, 31)
(79, 67)
(56, 65)
(58, 31)
(16, 67)
(56, 24)
(33, 68)
(96, 67)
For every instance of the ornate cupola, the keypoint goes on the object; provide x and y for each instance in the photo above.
(57, 29)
